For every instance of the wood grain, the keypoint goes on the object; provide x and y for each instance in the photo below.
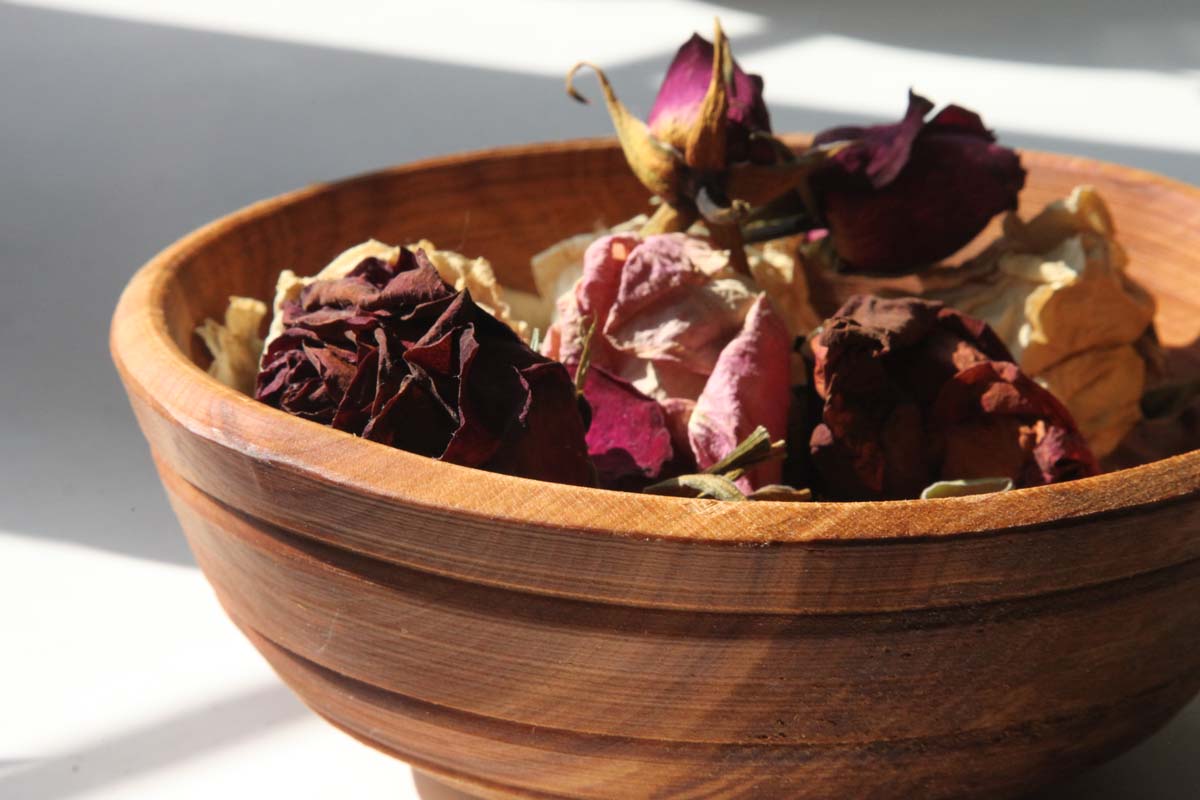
(537, 640)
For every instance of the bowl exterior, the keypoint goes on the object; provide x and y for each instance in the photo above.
(533, 640)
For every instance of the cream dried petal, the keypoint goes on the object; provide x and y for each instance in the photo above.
(775, 268)
(235, 345)
(1083, 210)
(1102, 388)
(345, 262)
(1094, 310)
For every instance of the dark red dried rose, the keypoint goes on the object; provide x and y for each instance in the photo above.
(915, 392)
(393, 354)
(903, 196)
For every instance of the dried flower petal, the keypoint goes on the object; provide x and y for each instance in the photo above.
(677, 302)
(235, 345)
(749, 387)
(902, 196)
(981, 401)
(628, 439)
(1055, 290)
(289, 284)
(677, 323)
(474, 275)
(684, 89)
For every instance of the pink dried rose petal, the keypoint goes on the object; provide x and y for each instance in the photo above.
(749, 387)
(678, 325)
(902, 196)
(628, 439)
(671, 306)
(590, 300)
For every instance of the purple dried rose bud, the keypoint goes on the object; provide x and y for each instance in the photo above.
(682, 93)
(393, 354)
(915, 392)
(903, 196)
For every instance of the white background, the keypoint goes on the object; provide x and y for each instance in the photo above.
(126, 125)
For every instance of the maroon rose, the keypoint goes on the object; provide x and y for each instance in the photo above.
(915, 392)
(393, 354)
(903, 196)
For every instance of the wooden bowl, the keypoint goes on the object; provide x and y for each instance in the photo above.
(528, 639)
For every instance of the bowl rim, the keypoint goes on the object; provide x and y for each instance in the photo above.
(160, 374)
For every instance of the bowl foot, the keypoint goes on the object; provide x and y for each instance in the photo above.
(435, 787)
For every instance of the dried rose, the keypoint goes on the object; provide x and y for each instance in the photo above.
(915, 392)
(681, 97)
(899, 197)
(708, 152)
(1056, 291)
(391, 353)
(682, 326)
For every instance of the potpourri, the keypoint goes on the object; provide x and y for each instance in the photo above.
(778, 325)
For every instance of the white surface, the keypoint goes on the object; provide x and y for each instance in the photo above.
(122, 678)
(129, 682)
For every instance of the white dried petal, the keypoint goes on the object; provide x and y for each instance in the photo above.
(235, 345)
(778, 272)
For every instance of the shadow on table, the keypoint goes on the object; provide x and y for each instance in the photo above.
(178, 738)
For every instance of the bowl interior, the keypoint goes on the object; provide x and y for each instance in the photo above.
(509, 204)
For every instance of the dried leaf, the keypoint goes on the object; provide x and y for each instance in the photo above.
(657, 165)
(781, 493)
(715, 487)
(966, 488)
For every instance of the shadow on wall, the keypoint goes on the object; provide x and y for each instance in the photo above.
(1086, 33)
